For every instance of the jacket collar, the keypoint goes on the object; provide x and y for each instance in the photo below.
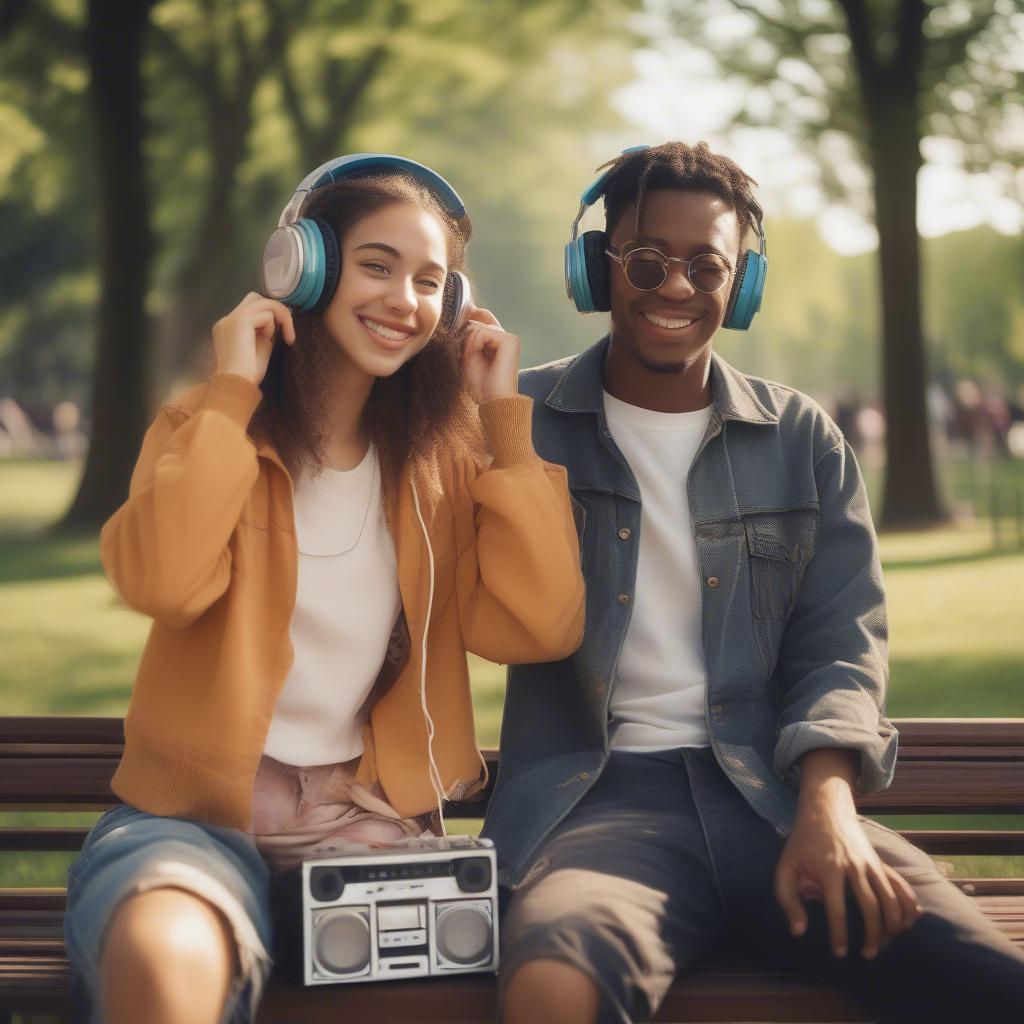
(265, 450)
(581, 388)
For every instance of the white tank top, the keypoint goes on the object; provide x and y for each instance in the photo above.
(346, 606)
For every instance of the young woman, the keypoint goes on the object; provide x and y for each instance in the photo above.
(319, 533)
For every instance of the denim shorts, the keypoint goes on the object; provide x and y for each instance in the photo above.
(129, 851)
(663, 857)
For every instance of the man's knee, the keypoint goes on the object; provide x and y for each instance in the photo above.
(612, 927)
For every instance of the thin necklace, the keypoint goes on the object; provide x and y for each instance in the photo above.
(366, 515)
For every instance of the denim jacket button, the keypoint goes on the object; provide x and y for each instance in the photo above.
(712, 581)
(625, 533)
(623, 598)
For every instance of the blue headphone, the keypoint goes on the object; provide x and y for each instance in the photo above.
(301, 260)
(586, 266)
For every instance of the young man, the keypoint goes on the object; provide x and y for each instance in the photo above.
(691, 769)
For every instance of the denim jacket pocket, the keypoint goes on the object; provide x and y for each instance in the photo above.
(780, 545)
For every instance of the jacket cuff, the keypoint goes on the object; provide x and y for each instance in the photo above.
(508, 425)
(877, 750)
(234, 396)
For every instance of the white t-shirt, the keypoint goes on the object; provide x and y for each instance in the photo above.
(346, 606)
(658, 701)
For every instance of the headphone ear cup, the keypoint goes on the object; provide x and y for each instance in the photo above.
(575, 279)
(734, 292)
(332, 265)
(455, 301)
(747, 291)
(282, 264)
(595, 262)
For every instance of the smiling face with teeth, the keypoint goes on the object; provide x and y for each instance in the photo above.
(660, 349)
(389, 295)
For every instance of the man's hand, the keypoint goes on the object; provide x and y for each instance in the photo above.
(828, 849)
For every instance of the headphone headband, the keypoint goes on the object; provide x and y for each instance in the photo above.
(595, 190)
(356, 164)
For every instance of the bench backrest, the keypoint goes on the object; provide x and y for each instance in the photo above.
(945, 766)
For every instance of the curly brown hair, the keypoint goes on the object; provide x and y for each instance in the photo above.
(679, 166)
(420, 408)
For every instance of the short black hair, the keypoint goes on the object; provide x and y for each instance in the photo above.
(679, 166)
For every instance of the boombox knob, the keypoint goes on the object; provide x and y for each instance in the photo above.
(473, 874)
(326, 884)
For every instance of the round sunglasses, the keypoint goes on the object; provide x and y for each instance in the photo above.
(646, 269)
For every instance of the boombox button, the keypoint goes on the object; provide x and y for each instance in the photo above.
(418, 938)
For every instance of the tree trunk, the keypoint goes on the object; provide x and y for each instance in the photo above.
(120, 383)
(911, 496)
(204, 288)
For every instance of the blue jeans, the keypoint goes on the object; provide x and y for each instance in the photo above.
(663, 856)
(129, 851)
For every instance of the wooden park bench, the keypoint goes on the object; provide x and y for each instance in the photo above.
(946, 766)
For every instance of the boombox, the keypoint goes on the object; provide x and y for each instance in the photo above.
(362, 914)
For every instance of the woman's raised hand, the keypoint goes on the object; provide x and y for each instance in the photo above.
(243, 339)
(491, 357)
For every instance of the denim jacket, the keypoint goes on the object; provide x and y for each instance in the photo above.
(793, 608)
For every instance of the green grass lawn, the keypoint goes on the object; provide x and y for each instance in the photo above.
(69, 647)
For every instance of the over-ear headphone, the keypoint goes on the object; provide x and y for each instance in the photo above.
(301, 260)
(586, 265)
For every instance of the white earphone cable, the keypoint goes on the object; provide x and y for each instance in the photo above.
(435, 774)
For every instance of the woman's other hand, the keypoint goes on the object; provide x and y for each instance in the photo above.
(491, 357)
(244, 339)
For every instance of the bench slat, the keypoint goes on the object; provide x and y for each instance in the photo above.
(66, 762)
(32, 899)
(58, 750)
(37, 839)
(948, 841)
(1003, 843)
(960, 754)
(62, 729)
(914, 732)
(991, 787)
(960, 732)
(71, 780)
(920, 786)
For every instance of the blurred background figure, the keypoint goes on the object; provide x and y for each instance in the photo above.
(19, 439)
(846, 411)
(68, 440)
